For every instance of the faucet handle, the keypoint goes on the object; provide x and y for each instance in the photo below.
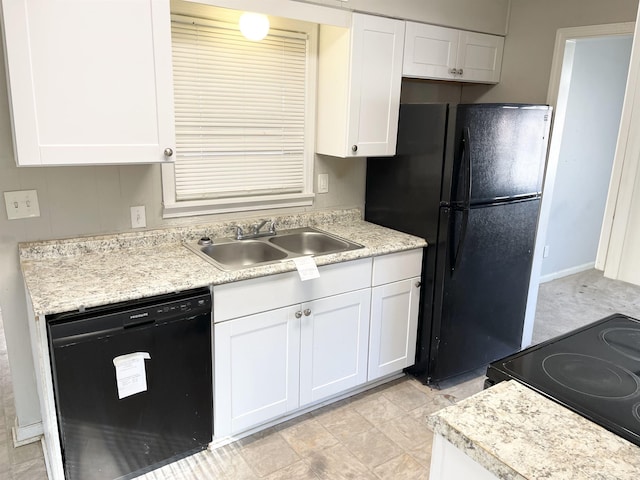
(238, 231)
(272, 227)
(258, 226)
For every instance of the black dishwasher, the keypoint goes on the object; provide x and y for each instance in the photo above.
(132, 384)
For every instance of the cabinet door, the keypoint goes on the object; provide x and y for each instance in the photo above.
(480, 57)
(376, 76)
(394, 327)
(90, 82)
(256, 369)
(430, 51)
(333, 345)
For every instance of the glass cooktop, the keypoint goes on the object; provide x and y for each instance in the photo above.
(594, 371)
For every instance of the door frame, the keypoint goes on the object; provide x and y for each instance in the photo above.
(557, 96)
(618, 228)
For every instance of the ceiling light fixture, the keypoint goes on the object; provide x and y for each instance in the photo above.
(254, 26)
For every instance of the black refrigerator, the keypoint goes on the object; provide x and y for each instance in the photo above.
(468, 179)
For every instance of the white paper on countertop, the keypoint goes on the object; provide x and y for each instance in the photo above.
(307, 268)
(131, 375)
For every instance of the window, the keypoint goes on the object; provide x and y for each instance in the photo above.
(244, 118)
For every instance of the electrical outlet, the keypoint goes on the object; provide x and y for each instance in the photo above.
(138, 217)
(323, 183)
(22, 204)
(545, 252)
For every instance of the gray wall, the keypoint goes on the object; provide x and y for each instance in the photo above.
(528, 49)
(588, 145)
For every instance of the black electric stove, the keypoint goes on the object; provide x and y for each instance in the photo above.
(594, 371)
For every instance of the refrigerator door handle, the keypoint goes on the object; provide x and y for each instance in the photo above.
(466, 160)
(457, 253)
(466, 152)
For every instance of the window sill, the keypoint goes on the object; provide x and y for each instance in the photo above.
(210, 207)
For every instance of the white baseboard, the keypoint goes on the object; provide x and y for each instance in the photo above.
(566, 272)
(25, 434)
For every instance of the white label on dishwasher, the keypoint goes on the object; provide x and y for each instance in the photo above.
(130, 373)
(307, 268)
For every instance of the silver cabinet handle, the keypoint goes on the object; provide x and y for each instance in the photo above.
(307, 312)
(354, 148)
(298, 314)
(453, 71)
(418, 284)
(168, 152)
(460, 71)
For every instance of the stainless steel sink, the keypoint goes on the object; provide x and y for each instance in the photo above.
(230, 254)
(310, 242)
(243, 253)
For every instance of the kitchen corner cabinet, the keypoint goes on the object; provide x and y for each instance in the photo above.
(449, 54)
(359, 79)
(395, 301)
(89, 82)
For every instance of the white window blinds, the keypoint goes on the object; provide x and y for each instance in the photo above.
(239, 109)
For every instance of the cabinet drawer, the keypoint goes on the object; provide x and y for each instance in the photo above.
(397, 266)
(265, 293)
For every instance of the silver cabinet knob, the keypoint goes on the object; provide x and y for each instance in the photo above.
(168, 152)
(354, 148)
(453, 71)
(460, 71)
(307, 312)
(298, 314)
(418, 284)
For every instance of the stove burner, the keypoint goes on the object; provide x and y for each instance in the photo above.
(625, 341)
(636, 411)
(590, 375)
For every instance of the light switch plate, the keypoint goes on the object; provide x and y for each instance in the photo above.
(323, 183)
(138, 217)
(22, 204)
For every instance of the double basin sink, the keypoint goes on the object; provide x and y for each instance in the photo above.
(229, 254)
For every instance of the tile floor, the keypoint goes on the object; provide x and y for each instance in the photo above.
(378, 434)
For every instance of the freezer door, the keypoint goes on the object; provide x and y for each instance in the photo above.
(482, 280)
(506, 146)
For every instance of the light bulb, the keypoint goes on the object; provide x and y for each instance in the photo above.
(254, 26)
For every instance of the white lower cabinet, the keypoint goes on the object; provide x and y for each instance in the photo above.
(256, 369)
(282, 344)
(273, 362)
(394, 326)
(334, 345)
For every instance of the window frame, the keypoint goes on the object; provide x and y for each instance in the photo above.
(173, 208)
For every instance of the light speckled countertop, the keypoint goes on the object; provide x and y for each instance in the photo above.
(516, 433)
(63, 275)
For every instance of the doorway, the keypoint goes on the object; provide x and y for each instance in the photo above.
(586, 88)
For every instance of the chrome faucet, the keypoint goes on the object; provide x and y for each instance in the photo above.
(240, 235)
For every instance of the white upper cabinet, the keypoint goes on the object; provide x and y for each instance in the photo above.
(450, 54)
(359, 78)
(90, 81)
